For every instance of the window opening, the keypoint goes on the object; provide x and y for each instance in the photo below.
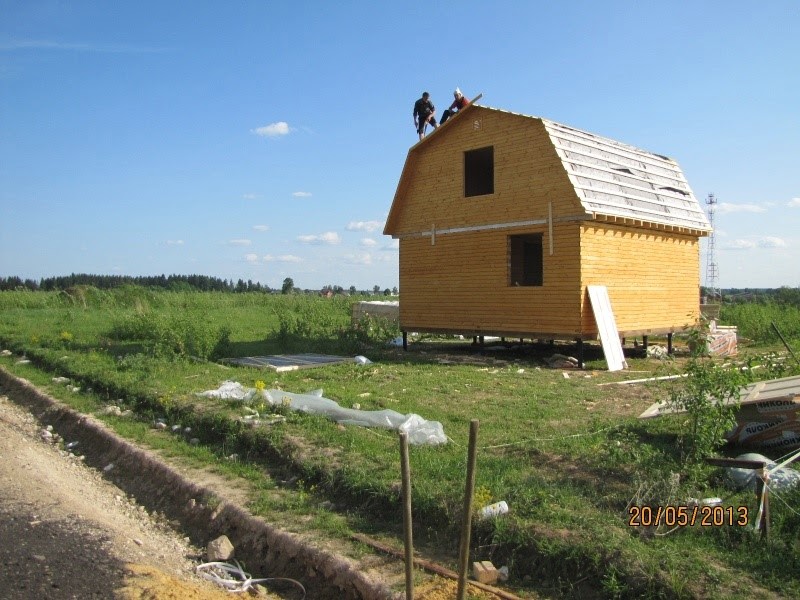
(479, 172)
(526, 260)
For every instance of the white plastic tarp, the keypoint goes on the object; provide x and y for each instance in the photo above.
(419, 430)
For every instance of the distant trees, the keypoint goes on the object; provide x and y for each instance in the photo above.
(14, 283)
(206, 283)
(202, 283)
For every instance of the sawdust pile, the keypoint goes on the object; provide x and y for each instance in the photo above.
(446, 589)
(149, 583)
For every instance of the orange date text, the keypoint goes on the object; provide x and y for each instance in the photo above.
(687, 515)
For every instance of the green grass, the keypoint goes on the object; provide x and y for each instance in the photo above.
(568, 455)
(754, 321)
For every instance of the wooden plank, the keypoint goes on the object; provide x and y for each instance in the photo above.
(607, 326)
(736, 463)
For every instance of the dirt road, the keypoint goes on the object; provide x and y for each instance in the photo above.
(65, 532)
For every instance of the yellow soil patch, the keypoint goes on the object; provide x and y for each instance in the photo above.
(446, 589)
(149, 583)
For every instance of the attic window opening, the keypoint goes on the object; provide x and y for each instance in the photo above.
(479, 172)
(525, 260)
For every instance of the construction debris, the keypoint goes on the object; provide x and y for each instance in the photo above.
(722, 340)
(768, 416)
(560, 361)
(419, 430)
(780, 478)
(485, 572)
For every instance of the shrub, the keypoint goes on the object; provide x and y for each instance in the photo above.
(709, 395)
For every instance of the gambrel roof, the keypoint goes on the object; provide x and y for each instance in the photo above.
(617, 180)
(613, 181)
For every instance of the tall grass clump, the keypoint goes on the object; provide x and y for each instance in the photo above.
(310, 325)
(173, 335)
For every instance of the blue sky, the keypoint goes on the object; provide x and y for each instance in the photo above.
(264, 140)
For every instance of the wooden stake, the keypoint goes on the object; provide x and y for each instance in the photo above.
(764, 525)
(466, 527)
(408, 542)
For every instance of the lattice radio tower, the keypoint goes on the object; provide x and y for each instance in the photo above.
(712, 272)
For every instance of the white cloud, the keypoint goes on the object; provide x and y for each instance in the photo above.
(301, 194)
(329, 237)
(358, 259)
(261, 227)
(239, 242)
(741, 245)
(757, 242)
(174, 242)
(287, 258)
(250, 196)
(725, 208)
(273, 129)
(369, 242)
(793, 203)
(251, 258)
(369, 226)
(392, 245)
(771, 242)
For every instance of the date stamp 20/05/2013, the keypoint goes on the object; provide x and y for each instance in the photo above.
(687, 515)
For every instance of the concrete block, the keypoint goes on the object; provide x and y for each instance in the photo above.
(485, 572)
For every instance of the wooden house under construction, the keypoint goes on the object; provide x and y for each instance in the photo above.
(505, 221)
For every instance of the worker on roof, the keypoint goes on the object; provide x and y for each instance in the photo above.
(424, 112)
(458, 104)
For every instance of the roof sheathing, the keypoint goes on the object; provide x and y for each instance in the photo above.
(620, 181)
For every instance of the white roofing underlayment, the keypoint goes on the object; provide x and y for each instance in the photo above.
(615, 179)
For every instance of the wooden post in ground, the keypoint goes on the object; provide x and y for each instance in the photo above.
(408, 541)
(762, 491)
(466, 526)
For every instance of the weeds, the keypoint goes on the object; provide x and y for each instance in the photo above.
(170, 336)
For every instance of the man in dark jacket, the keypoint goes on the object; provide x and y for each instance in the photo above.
(424, 112)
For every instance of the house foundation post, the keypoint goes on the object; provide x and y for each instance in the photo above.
(669, 343)
(580, 353)
(405, 340)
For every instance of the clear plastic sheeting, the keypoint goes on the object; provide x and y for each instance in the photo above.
(780, 477)
(420, 431)
(231, 390)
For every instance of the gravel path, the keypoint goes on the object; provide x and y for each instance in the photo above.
(66, 532)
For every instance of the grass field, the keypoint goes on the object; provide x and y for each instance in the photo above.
(564, 449)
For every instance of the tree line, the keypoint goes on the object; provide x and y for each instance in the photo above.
(201, 283)
(783, 295)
